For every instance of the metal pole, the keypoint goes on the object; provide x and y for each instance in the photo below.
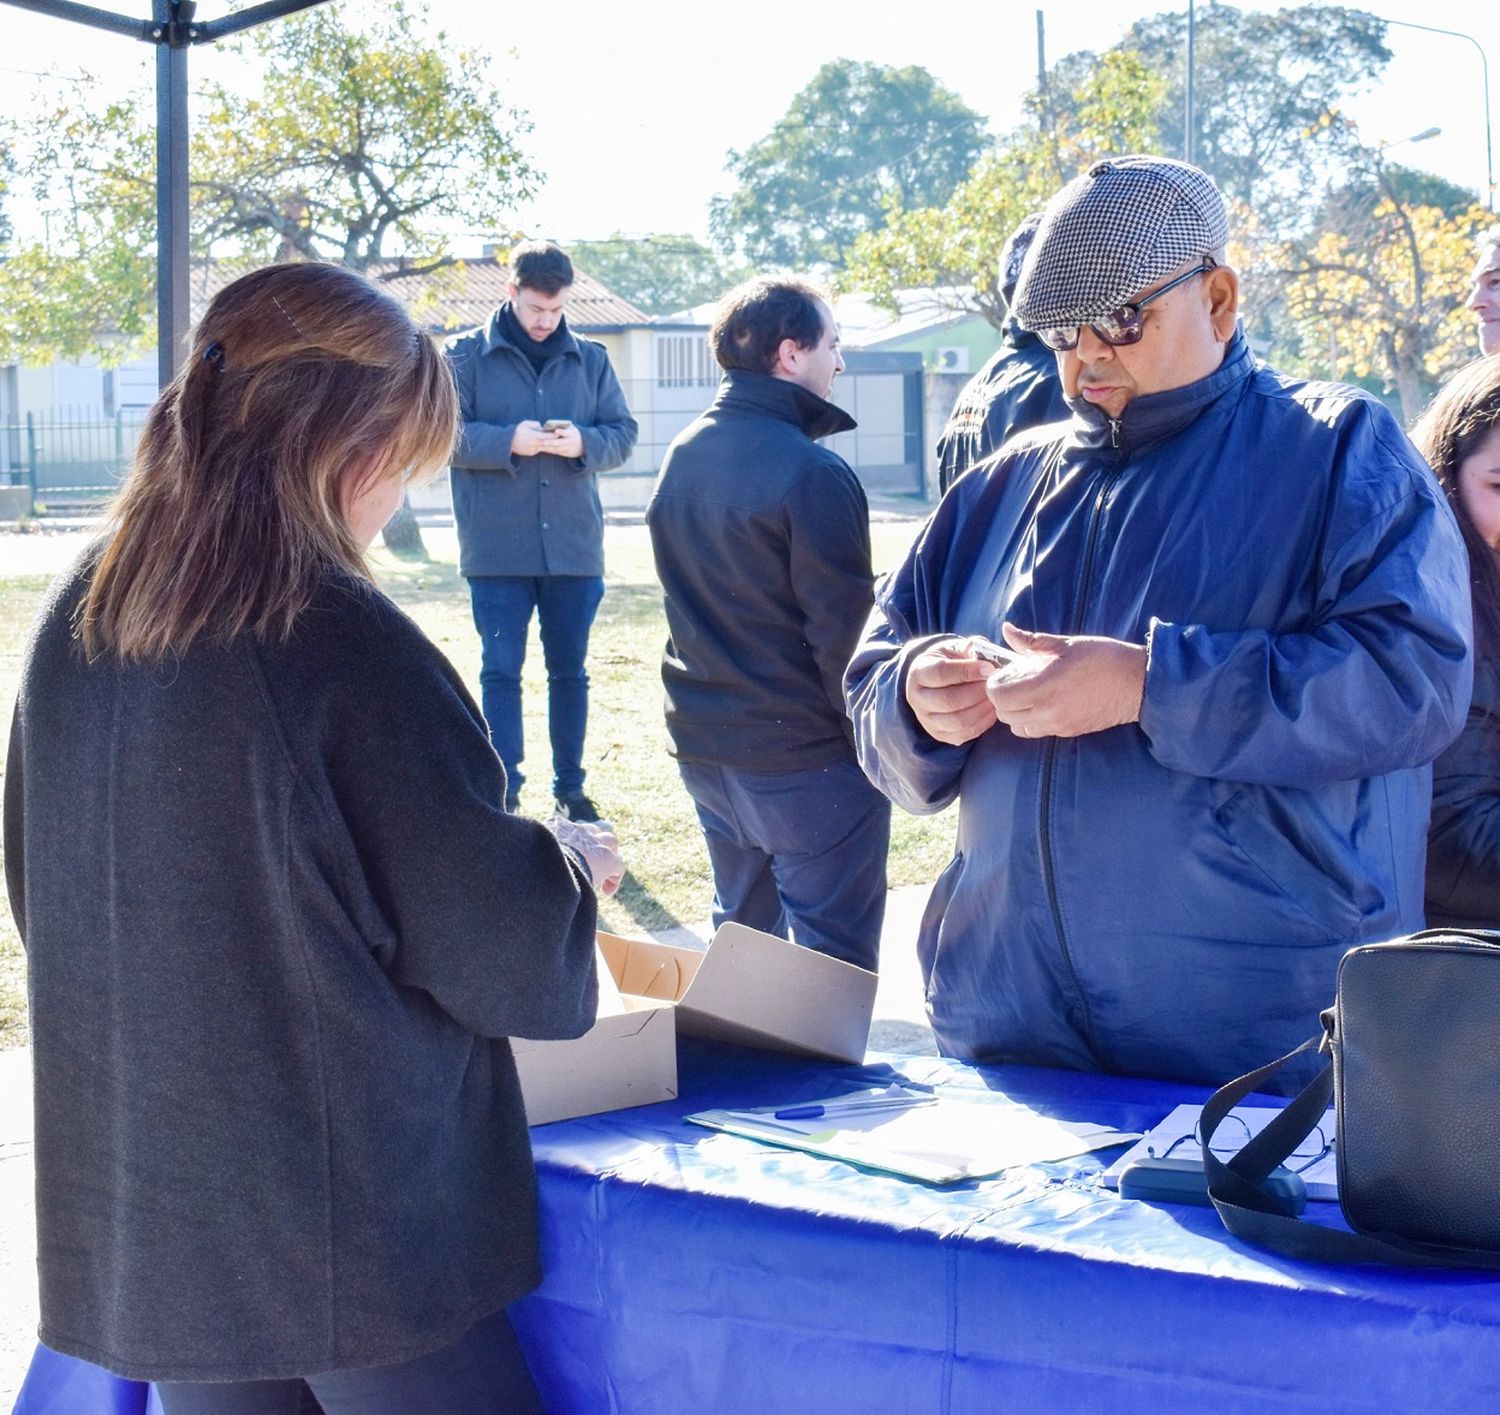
(1484, 69)
(171, 192)
(171, 30)
(1187, 117)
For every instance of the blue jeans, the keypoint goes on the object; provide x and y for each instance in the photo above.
(797, 850)
(483, 1373)
(565, 606)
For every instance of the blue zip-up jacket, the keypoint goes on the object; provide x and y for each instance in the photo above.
(1170, 898)
(536, 515)
(1017, 389)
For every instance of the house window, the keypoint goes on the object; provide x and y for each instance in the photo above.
(684, 361)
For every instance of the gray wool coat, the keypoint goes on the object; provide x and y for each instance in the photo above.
(536, 515)
(279, 927)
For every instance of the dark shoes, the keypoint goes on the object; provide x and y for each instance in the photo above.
(577, 808)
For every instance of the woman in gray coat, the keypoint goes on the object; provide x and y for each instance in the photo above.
(279, 924)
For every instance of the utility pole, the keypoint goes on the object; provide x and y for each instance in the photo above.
(1187, 116)
(172, 27)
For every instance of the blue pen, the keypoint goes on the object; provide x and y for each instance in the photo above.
(819, 1112)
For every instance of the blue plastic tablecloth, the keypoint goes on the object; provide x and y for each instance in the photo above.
(698, 1272)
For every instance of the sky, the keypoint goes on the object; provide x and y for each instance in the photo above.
(636, 107)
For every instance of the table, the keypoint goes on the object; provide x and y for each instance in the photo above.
(694, 1271)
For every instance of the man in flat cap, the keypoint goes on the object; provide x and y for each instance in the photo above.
(1240, 628)
(1017, 389)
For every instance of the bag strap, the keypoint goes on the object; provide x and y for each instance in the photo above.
(1249, 1212)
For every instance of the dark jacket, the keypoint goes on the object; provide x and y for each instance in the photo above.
(533, 515)
(762, 544)
(1017, 389)
(1171, 898)
(1463, 848)
(279, 926)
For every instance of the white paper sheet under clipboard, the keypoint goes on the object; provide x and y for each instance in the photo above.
(950, 1140)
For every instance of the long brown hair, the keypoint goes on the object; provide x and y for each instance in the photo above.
(1463, 414)
(303, 382)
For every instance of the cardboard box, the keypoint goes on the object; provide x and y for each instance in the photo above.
(748, 988)
(628, 1057)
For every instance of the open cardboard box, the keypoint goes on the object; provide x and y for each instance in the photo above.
(748, 988)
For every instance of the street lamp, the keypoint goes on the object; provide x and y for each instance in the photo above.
(1415, 137)
(1484, 64)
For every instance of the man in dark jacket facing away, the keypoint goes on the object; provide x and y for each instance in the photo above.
(543, 415)
(762, 543)
(1242, 626)
(1017, 389)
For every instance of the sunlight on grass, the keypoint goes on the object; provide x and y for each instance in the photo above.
(631, 775)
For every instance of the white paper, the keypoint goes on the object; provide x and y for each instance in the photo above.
(941, 1142)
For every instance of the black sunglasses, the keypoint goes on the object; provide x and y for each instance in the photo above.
(1121, 327)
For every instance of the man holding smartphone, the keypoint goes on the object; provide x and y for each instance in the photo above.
(543, 415)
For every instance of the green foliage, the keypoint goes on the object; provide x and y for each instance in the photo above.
(1267, 95)
(955, 248)
(351, 143)
(1372, 291)
(7, 173)
(859, 140)
(658, 274)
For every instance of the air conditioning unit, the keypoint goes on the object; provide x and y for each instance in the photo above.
(952, 360)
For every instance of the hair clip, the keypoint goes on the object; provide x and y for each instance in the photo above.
(214, 355)
(289, 319)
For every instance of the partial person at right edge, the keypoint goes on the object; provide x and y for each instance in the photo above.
(762, 544)
(1460, 436)
(1017, 389)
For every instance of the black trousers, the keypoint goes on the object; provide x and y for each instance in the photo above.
(483, 1373)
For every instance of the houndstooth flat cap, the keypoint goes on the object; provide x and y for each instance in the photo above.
(1110, 233)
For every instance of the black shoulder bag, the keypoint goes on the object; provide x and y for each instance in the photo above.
(1414, 1040)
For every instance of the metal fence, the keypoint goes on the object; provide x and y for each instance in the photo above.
(72, 459)
(68, 460)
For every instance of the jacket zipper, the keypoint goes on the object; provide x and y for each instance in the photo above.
(1049, 757)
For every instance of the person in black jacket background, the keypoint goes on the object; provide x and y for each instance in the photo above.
(1018, 388)
(1460, 436)
(762, 543)
(278, 921)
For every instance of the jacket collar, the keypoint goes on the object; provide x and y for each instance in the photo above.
(493, 337)
(1154, 417)
(781, 398)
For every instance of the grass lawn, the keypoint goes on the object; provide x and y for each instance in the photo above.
(630, 774)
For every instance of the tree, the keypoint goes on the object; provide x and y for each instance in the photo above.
(954, 250)
(354, 143)
(658, 274)
(1268, 93)
(857, 140)
(1375, 291)
(7, 173)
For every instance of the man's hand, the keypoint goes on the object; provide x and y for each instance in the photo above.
(530, 438)
(945, 689)
(1067, 687)
(566, 442)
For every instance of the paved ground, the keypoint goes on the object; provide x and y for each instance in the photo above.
(900, 1025)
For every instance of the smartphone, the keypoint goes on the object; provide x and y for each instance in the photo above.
(997, 654)
(556, 424)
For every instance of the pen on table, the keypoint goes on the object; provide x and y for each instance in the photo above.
(818, 1112)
